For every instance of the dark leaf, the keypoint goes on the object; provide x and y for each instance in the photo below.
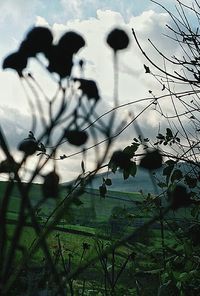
(160, 137)
(190, 181)
(113, 167)
(117, 39)
(63, 156)
(179, 197)
(120, 159)
(50, 187)
(81, 63)
(130, 170)
(8, 166)
(31, 135)
(102, 190)
(89, 88)
(176, 175)
(152, 160)
(169, 133)
(126, 173)
(76, 137)
(133, 169)
(130, 150)
(15, 61)
(147, 70)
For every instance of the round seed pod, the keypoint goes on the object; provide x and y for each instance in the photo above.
(71, 42)
(76, 137)
(29, 146)
(118, 39)
(38, 39)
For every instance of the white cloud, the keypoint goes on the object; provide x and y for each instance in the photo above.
(14, 129)
(41, 21)
(99, 55)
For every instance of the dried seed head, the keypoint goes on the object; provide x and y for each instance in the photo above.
(118, 39)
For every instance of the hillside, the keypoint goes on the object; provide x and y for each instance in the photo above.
(91, 207)
(122, 193)
(142, 181)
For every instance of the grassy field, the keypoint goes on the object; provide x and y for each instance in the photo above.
(93, 213)
(93, 222)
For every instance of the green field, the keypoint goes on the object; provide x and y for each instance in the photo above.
(93, 215)
(96, 220)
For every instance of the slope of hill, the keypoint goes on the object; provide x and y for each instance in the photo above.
(91, 207)
(118, 195)
(142, 181)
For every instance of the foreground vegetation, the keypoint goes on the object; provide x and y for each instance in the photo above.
(76, 240)
(137, 267)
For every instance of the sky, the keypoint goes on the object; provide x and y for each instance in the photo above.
(93, 19)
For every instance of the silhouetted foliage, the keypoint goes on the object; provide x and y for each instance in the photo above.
(147, 70)
(59, 63)
(70, 43)
(152, 160)
(71, 113)
(16, 61)
(38, 40)
(89, 88)
(119, 159)
(179, 197)
(50, 187)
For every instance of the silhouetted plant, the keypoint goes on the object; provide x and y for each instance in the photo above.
(173, 152)
(72, 123)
